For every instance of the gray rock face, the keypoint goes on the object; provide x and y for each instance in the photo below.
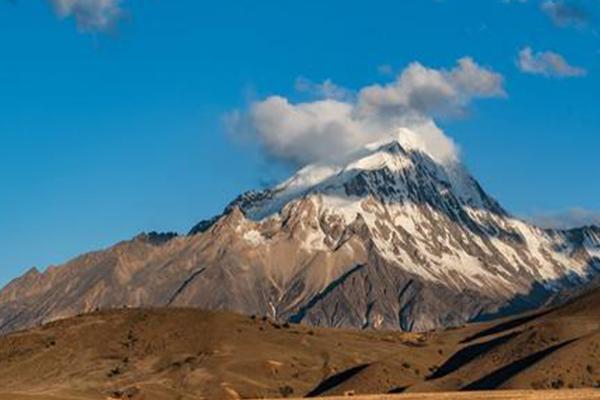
(389, 238)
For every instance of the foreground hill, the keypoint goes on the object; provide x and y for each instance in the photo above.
(389, 238)
(192, 354)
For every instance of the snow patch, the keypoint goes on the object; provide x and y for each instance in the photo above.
(254, 237)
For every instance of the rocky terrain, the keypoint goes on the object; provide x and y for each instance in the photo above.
(387, 238)
(192, 354)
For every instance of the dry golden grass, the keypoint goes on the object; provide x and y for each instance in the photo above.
(487, 395)
(186, 354)
(582, 394)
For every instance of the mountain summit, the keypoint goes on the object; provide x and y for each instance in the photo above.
(386, 238)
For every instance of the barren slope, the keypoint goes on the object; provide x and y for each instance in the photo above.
(191, 354)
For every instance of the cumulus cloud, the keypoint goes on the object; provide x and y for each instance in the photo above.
(328, 127)
(573, 218)
(432, 92)
(565, 14)
(90, 15)
(547, 63)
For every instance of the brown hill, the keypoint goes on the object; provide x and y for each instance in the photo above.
(191, 354)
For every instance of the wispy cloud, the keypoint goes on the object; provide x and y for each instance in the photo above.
(573, 218)
(91, 16)
(325, 90)
(332, 125)
(566, 14)
(385, 69)
(547, 63)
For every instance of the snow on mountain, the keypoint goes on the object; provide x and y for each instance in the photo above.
(387, 237)
(436, 210)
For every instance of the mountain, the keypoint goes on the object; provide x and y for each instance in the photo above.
(387, 238)
(195, 354)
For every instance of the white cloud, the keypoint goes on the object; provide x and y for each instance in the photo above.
(330, 127)
(573, 218)
(565, 14)
(90, 15)
(547, 63)
(431, 92)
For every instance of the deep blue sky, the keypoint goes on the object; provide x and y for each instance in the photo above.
(104, 135)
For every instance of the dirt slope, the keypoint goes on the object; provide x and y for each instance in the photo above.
(194, 354)
(191, 354)
(551, 349)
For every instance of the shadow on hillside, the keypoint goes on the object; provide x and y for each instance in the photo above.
(335, 380)
(498, 377)
(505, 326)
(299, 316)
(398, 390)
(468, 354)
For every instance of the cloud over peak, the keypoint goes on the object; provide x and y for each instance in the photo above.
(336, 122)
(547, 63)
(90, 15)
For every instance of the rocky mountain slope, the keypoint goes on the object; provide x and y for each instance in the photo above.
(194, 354)
(388, 238)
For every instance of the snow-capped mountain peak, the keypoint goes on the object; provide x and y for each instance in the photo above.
(395, 170)
(387, 237)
